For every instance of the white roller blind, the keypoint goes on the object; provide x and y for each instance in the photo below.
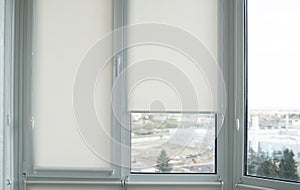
(64, 31)
(166, 76)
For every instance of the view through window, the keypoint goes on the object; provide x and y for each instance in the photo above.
(173, 143)
(273, 116)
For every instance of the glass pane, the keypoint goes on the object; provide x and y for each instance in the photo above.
(173, 143)
(273, 131)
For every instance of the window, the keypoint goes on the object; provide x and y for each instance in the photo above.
(273, 109)
(102, 93)
(266, 100)
(174, 92)
(58, 50)
(110, 90)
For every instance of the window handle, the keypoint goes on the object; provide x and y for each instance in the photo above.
(32, 122)
(237, 124)
(117, 65)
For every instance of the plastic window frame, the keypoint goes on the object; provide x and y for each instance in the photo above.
(8, 150)
(240, 94)
(23, 43)
(219, 176)
(21, 84)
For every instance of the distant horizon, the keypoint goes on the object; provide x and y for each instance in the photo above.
(275, 109)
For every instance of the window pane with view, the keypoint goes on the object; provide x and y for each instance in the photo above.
(273, 131)
(173, 143)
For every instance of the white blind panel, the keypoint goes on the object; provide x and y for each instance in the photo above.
(168, 75)
(64, 32)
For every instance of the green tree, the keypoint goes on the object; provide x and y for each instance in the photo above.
(288, 166)
(252, 162)
(268, 168)
(162, 161)
(262, 165)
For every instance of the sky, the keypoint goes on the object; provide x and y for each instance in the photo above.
(274, 54)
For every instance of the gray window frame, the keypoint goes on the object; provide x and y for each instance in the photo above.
(23, 53)
(18, 108)
(219, 177)
(10, 180)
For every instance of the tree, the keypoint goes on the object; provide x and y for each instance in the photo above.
(162, 161)
(268, 168)
(288, 166)
(253, 162)
(262, 165)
